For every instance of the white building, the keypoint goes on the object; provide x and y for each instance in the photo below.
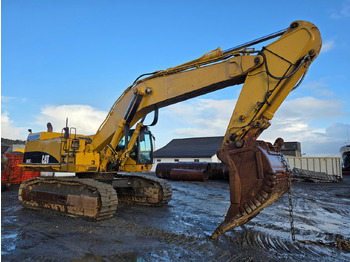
(203, 149)
(197, 149)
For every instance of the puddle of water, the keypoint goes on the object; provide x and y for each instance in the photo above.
(8, 243)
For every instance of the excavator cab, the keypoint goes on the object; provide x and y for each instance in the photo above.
(141, 155)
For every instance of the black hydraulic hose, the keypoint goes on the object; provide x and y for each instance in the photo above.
(286, 76)
(147, 74)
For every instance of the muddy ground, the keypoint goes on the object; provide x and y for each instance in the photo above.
(181, 230)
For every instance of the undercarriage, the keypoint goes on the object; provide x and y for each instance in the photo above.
(90, 199)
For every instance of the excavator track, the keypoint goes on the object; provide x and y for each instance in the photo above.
(73, 197)
(142, 190)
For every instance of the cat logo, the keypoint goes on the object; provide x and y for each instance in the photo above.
(45, 159)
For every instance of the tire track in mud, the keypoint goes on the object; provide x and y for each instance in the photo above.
(223, 249)
(164, 235)
(199, 246)
(276, 237)
(319, 223)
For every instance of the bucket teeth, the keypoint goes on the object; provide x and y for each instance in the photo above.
(251, 205)
(247, 208)
(256, 202)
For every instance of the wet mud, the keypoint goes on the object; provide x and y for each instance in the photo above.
(181, 230)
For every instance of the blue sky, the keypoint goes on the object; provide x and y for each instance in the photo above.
(74, 58)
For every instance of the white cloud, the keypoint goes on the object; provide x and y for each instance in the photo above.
(314, 84)
(344, 11)
(319, 88)
(300, 120)
(327, 46)
(84, 118)
(308, 120)
(310, 109)
(8, 99)
(9, 129)
(200, 117)
(5, 99)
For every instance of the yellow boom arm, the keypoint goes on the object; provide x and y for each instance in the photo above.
(268, 75)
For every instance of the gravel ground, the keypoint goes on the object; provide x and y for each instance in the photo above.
(181, 230)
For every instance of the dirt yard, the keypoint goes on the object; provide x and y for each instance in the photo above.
(181, 230)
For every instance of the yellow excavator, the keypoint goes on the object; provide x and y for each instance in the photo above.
(259, 174)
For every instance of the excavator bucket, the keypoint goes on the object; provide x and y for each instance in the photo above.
(259, 176)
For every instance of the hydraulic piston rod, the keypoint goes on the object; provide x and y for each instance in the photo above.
(254, 42)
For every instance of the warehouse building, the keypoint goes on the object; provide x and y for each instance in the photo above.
(203, 149)
(197, 149)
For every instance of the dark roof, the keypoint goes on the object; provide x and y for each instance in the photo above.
(190, 147)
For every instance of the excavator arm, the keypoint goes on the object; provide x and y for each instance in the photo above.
(157, 92)
(259, 174)
(269, 75)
